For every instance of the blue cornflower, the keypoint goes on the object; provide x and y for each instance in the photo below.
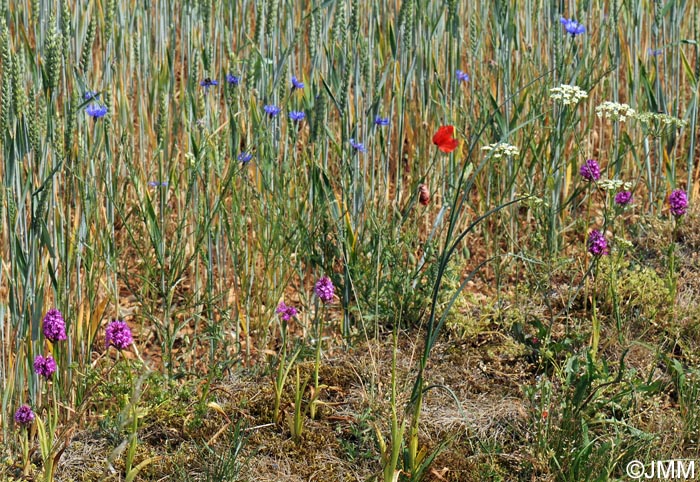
(233, 79)
(158, 183)
(462, 76)
(572, 26)
(245, 157)
(297, 116)
(357, 146)
(655, 52)
(297, 84)
(90, 95)
(206, 83)
(272, 110)
(96, 111)
(381, 121)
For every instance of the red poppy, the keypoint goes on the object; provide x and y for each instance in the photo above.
(444, 139)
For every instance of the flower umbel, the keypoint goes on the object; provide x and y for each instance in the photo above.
(614, 111)
(24, 415)
(568, 94)
(501, 149)
(286, 312)
(54, 326)
(590, 170)
(44, 367)
(597, 244)
(678, 200)
(324, 289)
(657, 125)
(614, 184)
(118, 334)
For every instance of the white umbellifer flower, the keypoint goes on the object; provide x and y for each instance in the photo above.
(501, 149)
(568, 94)
(614, 185)
(610, 184)
(665, 119)
(615, 111)
(622, 242)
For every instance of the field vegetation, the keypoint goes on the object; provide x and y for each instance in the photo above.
(348, 240)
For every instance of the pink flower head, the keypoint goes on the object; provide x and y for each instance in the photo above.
(678, 200)
(44, 366)
(324, 289)
(24, 415)
(597, 244)
(590, 170)
(54, 326)
(118, 334)
(623, 198)
(286, 312)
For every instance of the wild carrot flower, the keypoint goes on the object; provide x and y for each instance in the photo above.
(24, 415)
(572, 26)
(206, 83)
(357, 146)
(286, 312)
(656, 124)
(568, 94)
(381, 121)
(678, 200)
(501, 149)
(623, 198)
(615, 111)
(324, 289)
(54, 326)
(118, 334)
(614, 184)
(245, 157)
(597, 244)
(590, 170)
(96, 111)
(462, 76)
(296, 116)
(44, 366)
(444, 139)
(233, 79)
(272, 110)
(297, 84)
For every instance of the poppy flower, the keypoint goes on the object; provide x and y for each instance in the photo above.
(444, 139)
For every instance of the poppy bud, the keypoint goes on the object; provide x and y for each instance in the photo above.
(424, 194)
